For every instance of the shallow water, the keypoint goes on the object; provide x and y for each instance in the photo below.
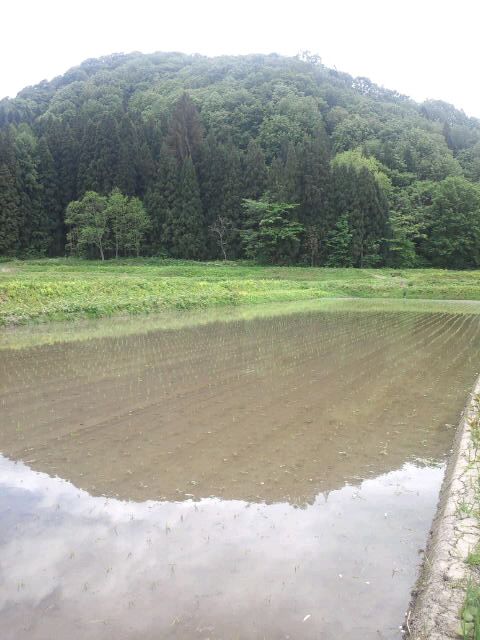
(264, 478)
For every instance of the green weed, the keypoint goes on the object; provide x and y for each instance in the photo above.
(470, 614)
(60, 289)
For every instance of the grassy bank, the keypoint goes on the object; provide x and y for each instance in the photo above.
(60, 289)
(47, 333)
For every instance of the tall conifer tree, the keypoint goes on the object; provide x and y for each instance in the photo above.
(184, 228)
(49, 199)
(10, 211)
(161, 198)
(254, 171)
(185, 133)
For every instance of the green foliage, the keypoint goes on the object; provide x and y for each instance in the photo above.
(88, 222)
(115, 222)
(364, 197)
(453, 224)
(10, 206)
(59, 289)
(49, 207)
(160, 197)
(406, 231)
(128, 222)
(470, 161)
(134, 226)
(470, 614)
(427, 155)
(339, 244)
(99, 158)
(221, 189)
(185, 129)
(357, 162)
(402, 250)
(311, 184)
(473, 558)
(193, 137)
(184, 228)
(271, 235)
(254, 171)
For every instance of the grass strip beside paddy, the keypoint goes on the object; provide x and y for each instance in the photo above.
(64, 289)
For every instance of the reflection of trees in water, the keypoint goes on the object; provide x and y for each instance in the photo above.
(269, 409)
(136, 566)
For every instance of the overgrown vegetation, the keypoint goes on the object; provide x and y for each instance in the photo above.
(70, 288)
(376, 178)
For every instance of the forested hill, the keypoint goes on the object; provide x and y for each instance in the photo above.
(376, 178)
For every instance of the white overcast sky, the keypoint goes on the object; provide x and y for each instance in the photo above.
(423, 48)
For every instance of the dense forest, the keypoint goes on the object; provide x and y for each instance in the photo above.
(278, 159)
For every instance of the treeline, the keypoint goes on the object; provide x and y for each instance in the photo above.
(280, 159)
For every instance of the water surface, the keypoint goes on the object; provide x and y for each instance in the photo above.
(265, 478)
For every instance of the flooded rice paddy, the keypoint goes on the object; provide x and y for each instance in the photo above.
(263, 477)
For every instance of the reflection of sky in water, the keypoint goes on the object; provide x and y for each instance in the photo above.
(77, 566)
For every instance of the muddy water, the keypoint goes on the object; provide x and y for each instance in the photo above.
(271, 478)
